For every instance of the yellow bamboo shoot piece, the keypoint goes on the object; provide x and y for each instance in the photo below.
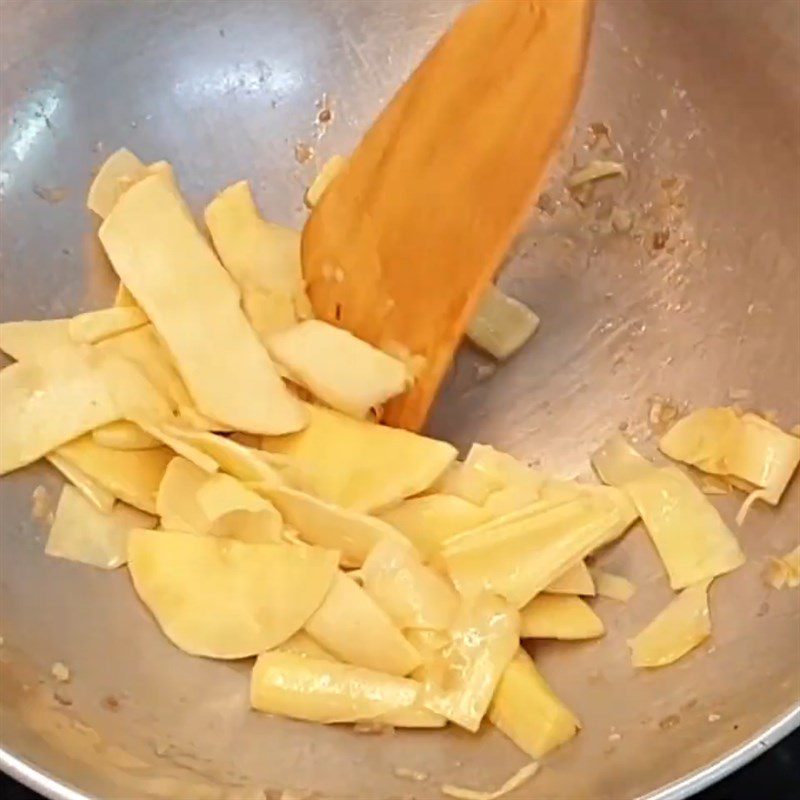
(430, 520)
(361, 465)
(414, 595)
(131, 475)
(317, 522)
(94, 326)
(302, 644)
(693, 541)
(330, 170)
(318, 690)
(176, 502)
(519, 485)
(519, 555)
(123, 298)
(784, 571)
(344, 372)
(27, 340)
(576, 580)
(501, 324)
(160, 255)
(118, 172)
(165, 434)
(746, 446)
(269, 312)
(527, 710)
(559, 616)
(82, 533)
(124, 435)
(677, 629)
(49, 401)
(461, 680)
(615, 587)
(354, 628)
(133, 392)
(97, 495)
(235, 511)
(465, 481)
(520, 777)
(226, 599)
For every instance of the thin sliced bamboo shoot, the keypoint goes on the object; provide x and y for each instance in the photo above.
(94, 326)
(576, 580)
(615, 587)
(97, 495)
(176, 502)
(554, 616)
(27, 340)
(225, 599)
(124, 435)
(118, 172)
(501, 324)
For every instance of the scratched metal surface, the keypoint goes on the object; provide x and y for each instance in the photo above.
(702, 92)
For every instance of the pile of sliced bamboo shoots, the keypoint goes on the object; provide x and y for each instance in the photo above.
(217, 439)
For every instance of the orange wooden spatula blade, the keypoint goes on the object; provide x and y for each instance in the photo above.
(405, 241)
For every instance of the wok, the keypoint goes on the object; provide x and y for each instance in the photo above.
(698, 301)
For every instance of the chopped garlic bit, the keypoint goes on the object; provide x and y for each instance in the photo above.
(40, 503)
(520, 777)
(784, 571)
(410, 774)
(501, 324)
(676, 630)
(60, 672)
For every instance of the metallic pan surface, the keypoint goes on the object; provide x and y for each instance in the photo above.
(702, 102)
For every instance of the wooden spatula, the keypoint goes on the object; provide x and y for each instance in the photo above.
(405, 241)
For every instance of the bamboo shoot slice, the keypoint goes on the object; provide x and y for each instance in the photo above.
(576, 580)
(467, 482)
(362, 465)
(49, 401)
(615, 587)
(28, 340)
(355, 629)
(82, 533)
(330, 170)
(414, 596)
(351, 533)
(158, 252)
(691, 538)
(527, 710)
(226, 599)
(318, 690)
(94, 326)
(97, 495)
(336, 367)
(117, 173)
(131, 475)
(124, 435)
(677, 629)
(461, 681)
(501, 324)
(430, 520)
(553, 616)
(176, 502)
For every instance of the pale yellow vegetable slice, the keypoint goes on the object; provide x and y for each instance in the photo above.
(82, 533)
(559, 616)
(131, 475)
(133, 392)
(123, 298)
(576, 580)
(302, 644)
(344, 372)
(226, 599)
(235, 511)
(121, 169)
(527, 710)
(693, 541)
(176, 502)
(677, 629)
(124, 435)
(430, 520)
(97, 495)
(94, 326)
(319, 690)
(362, 465)
(192, 418)
(412, 594)
(784, 571)
(242, 462)
(317, 522)
(615, 587)
(257, 253)
(467, 482)
(27, 340)
(269, 312)
(331, 169)
(462, 679)
(354, 628)
(520, 555)
(749, 447)
(520, 777)
(501, 325)
(178, 444)
(143, 347)
(519, 485)
(160, 255)
(48, 401)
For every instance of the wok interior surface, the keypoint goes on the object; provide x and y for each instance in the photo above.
(702, 103)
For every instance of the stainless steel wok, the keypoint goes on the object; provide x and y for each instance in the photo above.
(697, 300)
